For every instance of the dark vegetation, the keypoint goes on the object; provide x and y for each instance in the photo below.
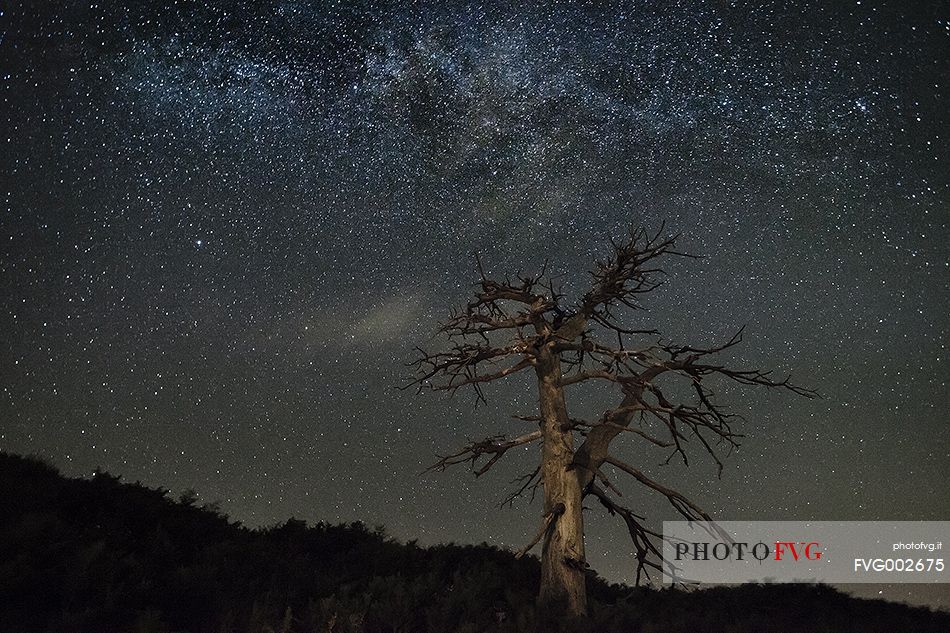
(101, 555)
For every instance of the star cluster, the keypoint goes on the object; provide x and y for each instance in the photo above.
(225, 226)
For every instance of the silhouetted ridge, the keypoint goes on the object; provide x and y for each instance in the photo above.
(101, 555)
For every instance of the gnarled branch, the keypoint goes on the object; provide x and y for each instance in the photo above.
(643, 539)
(549, 519)
(495, 446)
(689, 510)
(530, 481)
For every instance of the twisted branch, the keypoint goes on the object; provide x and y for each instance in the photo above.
(495, 446)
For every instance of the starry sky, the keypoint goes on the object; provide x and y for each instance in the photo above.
(225, 225)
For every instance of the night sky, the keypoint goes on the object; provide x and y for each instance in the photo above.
(225, 225)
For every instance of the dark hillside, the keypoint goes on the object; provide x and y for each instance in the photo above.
(101, 555)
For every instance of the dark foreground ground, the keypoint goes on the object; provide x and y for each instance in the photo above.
(101, 555)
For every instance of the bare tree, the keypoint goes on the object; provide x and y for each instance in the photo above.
(515, 325)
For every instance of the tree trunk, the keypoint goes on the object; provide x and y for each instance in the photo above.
(563, 581)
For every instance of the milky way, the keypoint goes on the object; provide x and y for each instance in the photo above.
(226, 225)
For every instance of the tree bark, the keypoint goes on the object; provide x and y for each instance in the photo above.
(563, 581)
(594, 449)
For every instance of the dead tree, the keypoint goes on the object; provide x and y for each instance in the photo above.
(526, 324)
